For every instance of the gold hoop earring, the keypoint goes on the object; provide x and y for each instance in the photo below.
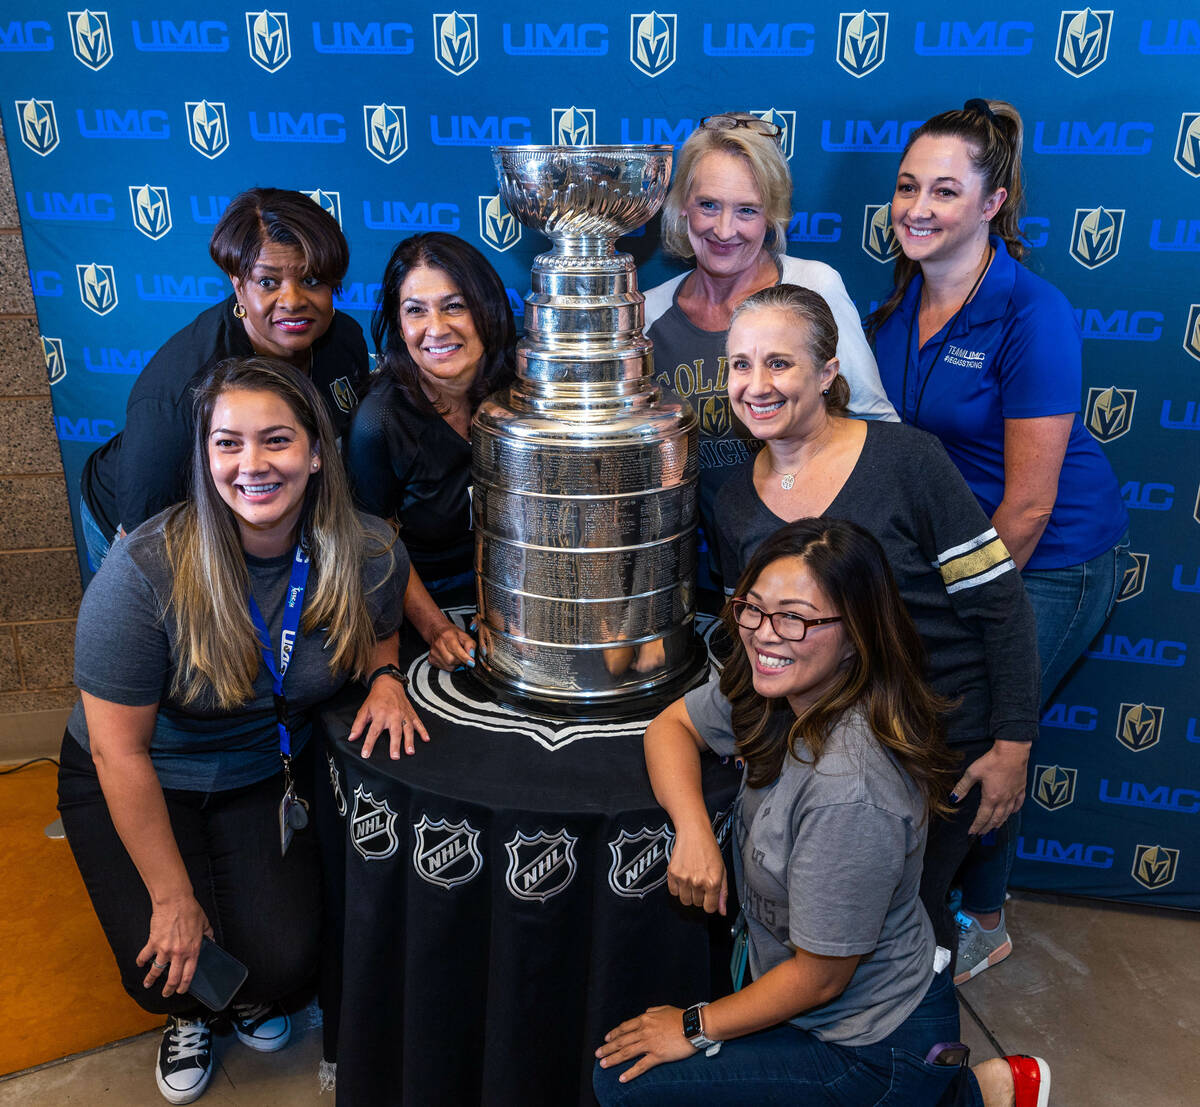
(239, 312)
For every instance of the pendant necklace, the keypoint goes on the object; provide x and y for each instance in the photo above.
(786, 480)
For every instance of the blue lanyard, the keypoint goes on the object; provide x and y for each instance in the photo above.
(287, 640)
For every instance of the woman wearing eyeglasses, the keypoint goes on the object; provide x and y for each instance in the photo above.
(954, 573)
(847, 1002)
(728, 212)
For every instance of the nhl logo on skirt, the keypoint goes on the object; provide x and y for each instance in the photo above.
(446, 853)
(540, 865)
(639, 861)
(373, 827)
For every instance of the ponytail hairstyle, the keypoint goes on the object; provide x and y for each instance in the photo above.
(994, 135)
(218, 651)
(883, 679)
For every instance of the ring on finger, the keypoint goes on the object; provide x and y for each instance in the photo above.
(160, 965)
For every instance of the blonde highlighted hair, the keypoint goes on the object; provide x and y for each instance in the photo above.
(218, 648)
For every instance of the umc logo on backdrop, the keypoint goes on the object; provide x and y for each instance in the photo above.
(91, 41)
(386, 131)
(56, 362)
(652, 42)
(960, 40)
(97, 287)
(1109, 412)
(347, 37)
(1154, 866)
(557, 40)
(455, 41)
(1187, 146)
(330, 202)
(268, 40)
(33, 36)
(878, 238)
(1053, 786)
(151, 207)
(861, 41)
(768, 40)
(497, 226)
(208, 129)
(1096, 235)
(1082, 41)
(573, 126)
(1133, 580)
(1139, 725)
(786, 122)
(39, 125)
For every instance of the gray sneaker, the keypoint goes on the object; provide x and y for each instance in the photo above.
(979, 949)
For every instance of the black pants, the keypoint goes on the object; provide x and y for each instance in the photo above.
(264, 909)
(945, 848)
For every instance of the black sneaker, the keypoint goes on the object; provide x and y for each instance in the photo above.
(262, 1026)
(184, 1059)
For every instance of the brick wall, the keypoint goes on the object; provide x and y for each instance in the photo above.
(39, 575)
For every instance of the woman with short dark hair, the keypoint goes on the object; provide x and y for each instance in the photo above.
(286, 257)
(445, 339)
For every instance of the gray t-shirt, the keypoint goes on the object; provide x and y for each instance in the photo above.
(828, 860)
(125, 651)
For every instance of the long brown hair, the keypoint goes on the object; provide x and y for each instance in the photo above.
(994, 134)
(218, 649)
(883, 678)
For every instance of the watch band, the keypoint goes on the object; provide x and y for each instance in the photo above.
(387, 670)
(694, 1032)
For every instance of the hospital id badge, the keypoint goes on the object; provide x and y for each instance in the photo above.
(293, 816)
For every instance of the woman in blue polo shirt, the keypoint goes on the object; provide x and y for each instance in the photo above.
(976, 349)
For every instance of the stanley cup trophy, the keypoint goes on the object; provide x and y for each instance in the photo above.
(584, 474)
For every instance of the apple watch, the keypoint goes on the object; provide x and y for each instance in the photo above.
(694, 1031)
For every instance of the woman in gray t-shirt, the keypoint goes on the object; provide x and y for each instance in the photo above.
(826, 704)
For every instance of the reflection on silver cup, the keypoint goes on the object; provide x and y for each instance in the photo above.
(584, 474)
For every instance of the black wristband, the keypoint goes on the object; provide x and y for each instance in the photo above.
(387, 670)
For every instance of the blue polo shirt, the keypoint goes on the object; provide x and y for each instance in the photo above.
(1014, 352)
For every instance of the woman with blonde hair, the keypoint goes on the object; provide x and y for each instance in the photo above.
(203, 644)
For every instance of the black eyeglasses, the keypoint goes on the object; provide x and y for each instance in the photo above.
(791, 628)
(726, 122)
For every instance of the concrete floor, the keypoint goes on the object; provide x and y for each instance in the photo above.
(1109, 995)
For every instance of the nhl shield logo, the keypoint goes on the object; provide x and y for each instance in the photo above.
(335, 784)
(91, 41)
(39, 126)
(56, 363)
(151, 207)
(373, 827)
(879, 240)
(208, 131)
(1139, 725)
(786, 122)
(862, 41)
(1109, 412)
(330, 202)
(497, 226)
(573, 126)
(1191, 334)
(343, 394)
(1187, 147)
(1096, 236)
(541, 865)
(1154, 866)
(639, 861)
(446, 853)
(1053, 786)
(1134, 579)
(455, 42)
(386, 131)
(714, 416)
(268, 40)
(652, 42)
(1082, 40)
(97, 287)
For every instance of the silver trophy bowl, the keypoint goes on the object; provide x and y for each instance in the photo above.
(584, 473)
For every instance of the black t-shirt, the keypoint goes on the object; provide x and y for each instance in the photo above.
(413, 467)
(145, 467)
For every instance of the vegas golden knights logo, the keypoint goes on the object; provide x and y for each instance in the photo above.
(91, 40)
(1134, 579)
(97, 287)
(330, 202)
(343, 394)
(714, 416)
(1154, 866)
(573, 126)
(862, 41)
(786, 122)
(879, 240)
(386, 131)
(1096, 235)
(1191, 334)
(1082, 41)
(1054, 786)
(151, 208)
(498, 227)
(39, 125)
(1187, 145)
(208, 128)
(455, 41)
(56, 362)
(1139, 725)
(652, 41)
(268, 40)
(1109, 412)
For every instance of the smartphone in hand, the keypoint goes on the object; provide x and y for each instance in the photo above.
(218, 976)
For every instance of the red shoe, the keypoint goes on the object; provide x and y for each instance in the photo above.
(1031, 1080)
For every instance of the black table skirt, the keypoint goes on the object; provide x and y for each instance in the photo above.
(505, 902)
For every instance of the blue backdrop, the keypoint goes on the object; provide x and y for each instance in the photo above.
(129, 128)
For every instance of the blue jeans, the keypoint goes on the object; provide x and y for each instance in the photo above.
(785, 1065)
(1070, 606)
